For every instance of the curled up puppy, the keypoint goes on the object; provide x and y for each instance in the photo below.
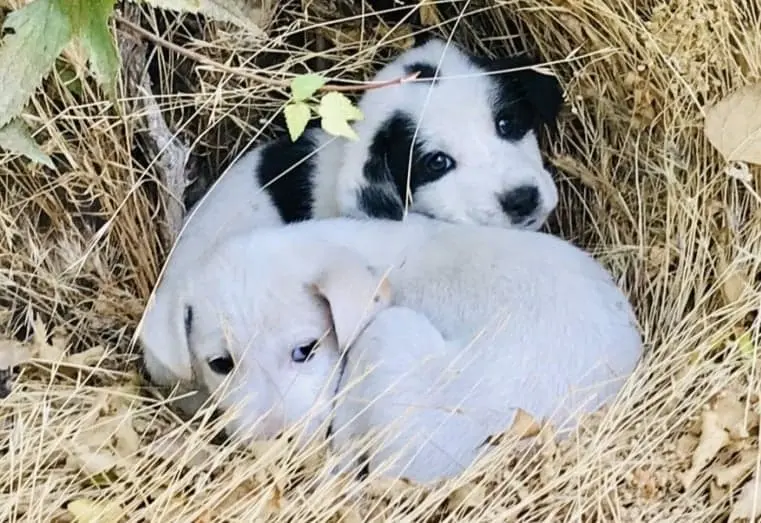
(294, 326)
(459, 144)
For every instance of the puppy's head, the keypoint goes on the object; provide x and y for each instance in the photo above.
(458, 144)
(260, 326)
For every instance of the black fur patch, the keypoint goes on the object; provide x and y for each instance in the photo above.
(389, 159)
(427, 71)
(285, 172)
(188, 320)
(378, 201)
(531, 99)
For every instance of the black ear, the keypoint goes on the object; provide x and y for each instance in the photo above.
(542, 91)
(386, 170)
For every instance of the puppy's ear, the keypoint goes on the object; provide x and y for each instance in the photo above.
(354, 293)
(385, 173)
(164, 336)
(542, 91)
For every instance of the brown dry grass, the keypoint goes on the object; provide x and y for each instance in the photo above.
(81, 248)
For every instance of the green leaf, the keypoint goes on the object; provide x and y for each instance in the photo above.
(304, 86)
(89, 22)
(15, 137)
(296, 118)
(336, 110)
(41, 30)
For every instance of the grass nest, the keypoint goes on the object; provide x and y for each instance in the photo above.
(642, 188)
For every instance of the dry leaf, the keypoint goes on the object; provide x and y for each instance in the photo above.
(467, 496)
(524, 426)
(712, 439)
(43, 350)
(92, 463)
(686, 445)
(86, 510)
(748, 504)
(730, 475)
(127, 439)
(429, 15)
(87, 358)
(13, 353)
(734, 281)
(733, 125)
(716, 494)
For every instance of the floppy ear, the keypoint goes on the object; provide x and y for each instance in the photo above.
(541, 91)
(354, 294)
(164, 334)
(387, 169)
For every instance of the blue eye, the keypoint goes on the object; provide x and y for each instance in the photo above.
(305, 352)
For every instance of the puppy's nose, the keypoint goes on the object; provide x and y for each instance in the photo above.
(520, 203)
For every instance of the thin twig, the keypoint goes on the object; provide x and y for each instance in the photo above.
(358, 86)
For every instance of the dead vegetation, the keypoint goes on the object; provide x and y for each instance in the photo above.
(675, 218)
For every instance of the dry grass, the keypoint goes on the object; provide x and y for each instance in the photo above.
(81, 248)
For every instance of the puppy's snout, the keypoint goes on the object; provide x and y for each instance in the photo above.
(520, 203)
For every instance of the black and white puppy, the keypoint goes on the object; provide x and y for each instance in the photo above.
(459, 144)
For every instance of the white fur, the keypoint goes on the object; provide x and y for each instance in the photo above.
(454, 117)
(546, 318)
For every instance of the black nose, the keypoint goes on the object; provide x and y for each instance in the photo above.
(521, 202)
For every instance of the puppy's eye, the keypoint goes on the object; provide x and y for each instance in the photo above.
(305, 352)
(222, 364)
(507, 129)
(438, 163)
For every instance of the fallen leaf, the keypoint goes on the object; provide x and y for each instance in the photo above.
(467, 496)
(734, 281)
(36, 35)
(336, 110)
(16, 138)
(733, 414)
(41, 349)
(127, 439)
(429, 15)
(729, 475)
(86, 510)
(733, 125)
(87, 358)
(686, 445)
(305, 85)
(524, 425)
(90, 462)
(13, 353)
(716, 494)
(241, 13)
(296, 118)
(712, 439)
(748, 504)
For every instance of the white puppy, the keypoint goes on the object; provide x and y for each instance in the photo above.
(460, 144)
(517, 319)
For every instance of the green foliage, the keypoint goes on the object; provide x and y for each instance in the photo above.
(296, 118)
(304, 86)
(40, 31)
(337, 111)
(16, 137)
(89, 21)
(334, 108)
